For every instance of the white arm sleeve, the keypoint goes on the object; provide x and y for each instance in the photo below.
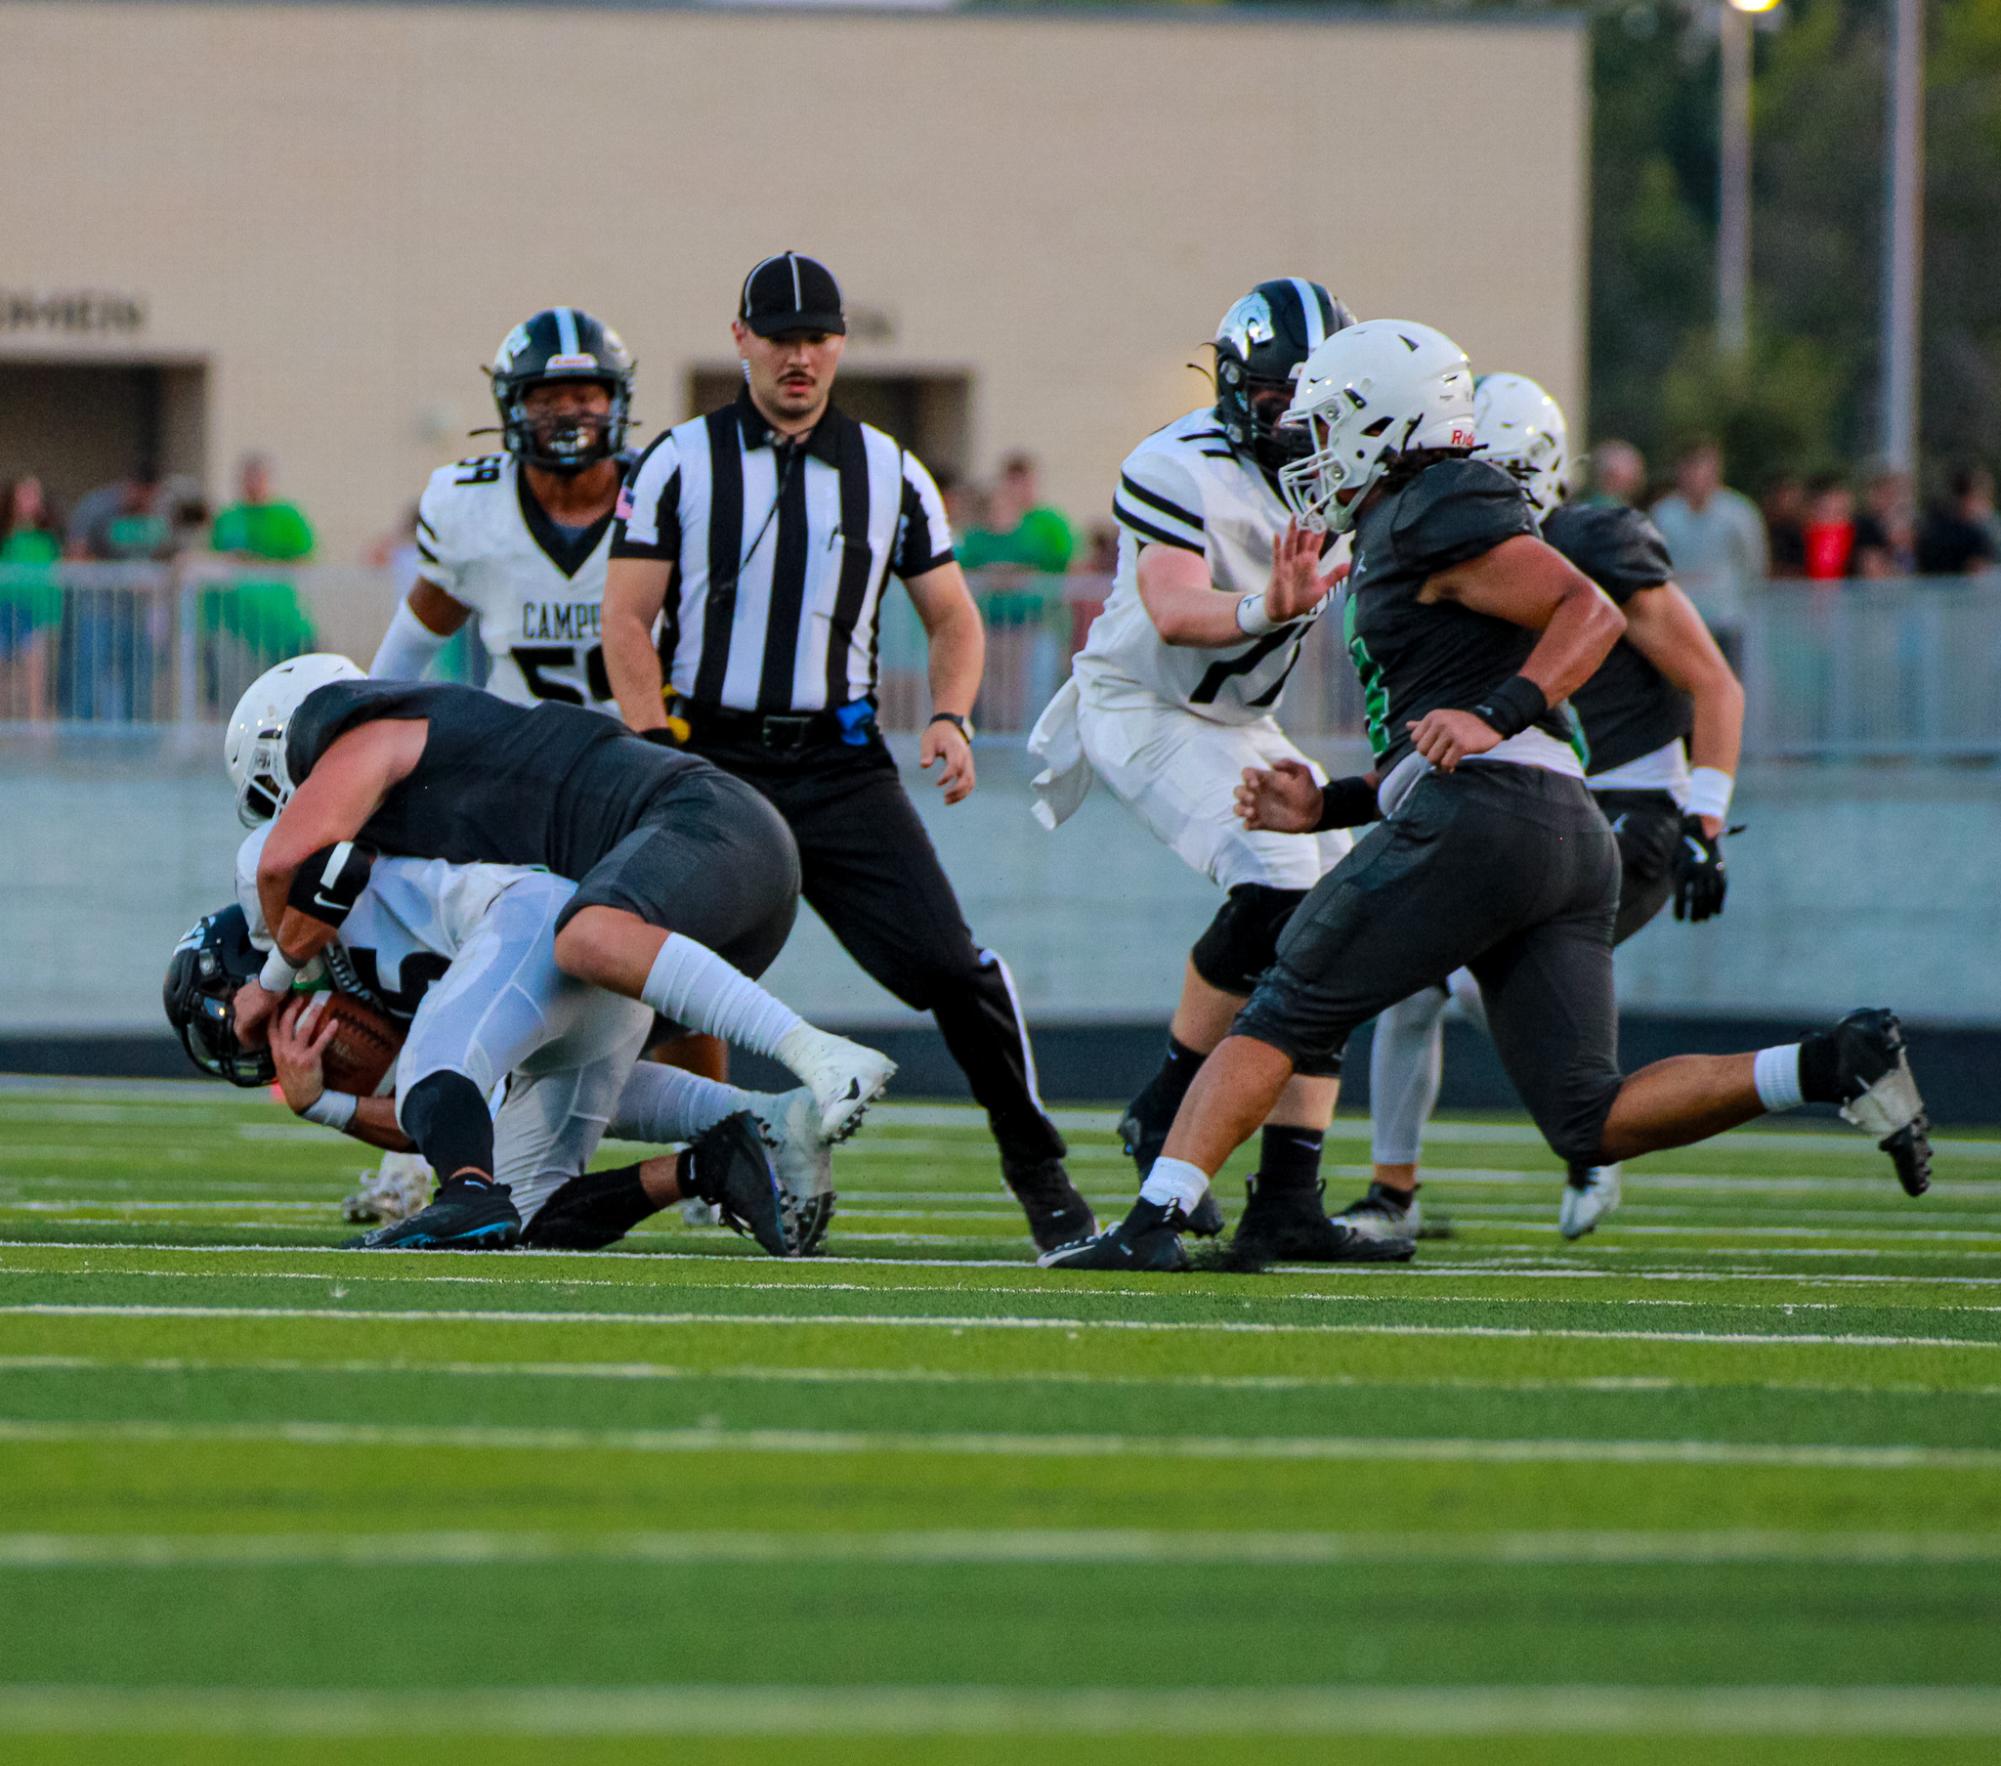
(407, 649)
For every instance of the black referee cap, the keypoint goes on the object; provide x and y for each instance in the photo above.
(791, 292)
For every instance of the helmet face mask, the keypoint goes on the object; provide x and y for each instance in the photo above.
(559, 345)
(253, 746)
(1522, 430)
(1368, 396)
(1260, 344)
(213, 959)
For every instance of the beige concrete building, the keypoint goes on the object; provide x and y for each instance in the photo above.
(304, 228)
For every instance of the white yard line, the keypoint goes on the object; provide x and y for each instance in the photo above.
(765, 1374)
(1471, 1712)
(1082, 1546)
(1819, 1456)
(792, 1320)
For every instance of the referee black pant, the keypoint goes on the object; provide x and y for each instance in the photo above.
(869, 870)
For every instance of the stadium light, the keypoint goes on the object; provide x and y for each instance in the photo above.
(1755, 5)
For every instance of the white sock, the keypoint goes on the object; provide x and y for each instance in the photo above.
(1176, 1183)
(1776, 1074)
(696, 988)
(661, 1104)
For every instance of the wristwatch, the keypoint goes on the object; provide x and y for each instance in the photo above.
(964, 725)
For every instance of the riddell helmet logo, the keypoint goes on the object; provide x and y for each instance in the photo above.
(1462, 438)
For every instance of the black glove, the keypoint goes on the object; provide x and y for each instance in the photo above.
(1699, 882)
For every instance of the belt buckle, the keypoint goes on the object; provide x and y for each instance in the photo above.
(785, 734)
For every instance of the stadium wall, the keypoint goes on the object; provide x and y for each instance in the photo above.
(116, 844)
(323, 218)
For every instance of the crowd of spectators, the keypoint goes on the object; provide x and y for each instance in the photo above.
(87, 604)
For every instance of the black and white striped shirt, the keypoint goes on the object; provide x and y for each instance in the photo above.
(781, 553)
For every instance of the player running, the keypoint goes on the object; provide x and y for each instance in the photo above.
(1664, 698)
(1174, 695)
(1468, 632)
(462, 955)
(687, 879)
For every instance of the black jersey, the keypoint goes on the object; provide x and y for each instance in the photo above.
(1628, 707)
(552, 785)
(1419, 656)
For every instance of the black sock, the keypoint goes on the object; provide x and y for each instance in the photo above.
(1289, 1159)
(446, 1115)
(1820, 1070)
(1178, 1068)
(590, 1212)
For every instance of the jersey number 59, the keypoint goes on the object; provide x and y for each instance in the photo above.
(584, 668)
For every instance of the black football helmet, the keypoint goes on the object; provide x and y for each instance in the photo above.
(562, 343)
(1260, 346)
(209, 964)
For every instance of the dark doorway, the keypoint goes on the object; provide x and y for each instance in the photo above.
(77, 425)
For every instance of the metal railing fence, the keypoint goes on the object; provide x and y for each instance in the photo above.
(1851, 671)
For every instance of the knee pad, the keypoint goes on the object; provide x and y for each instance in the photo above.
(446, 1115)
(589, 1212)
(1238, 945)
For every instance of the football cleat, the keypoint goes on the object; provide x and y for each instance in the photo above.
(1143, 1133)
(1057, 1214)
(1384, 1214)
(467, 1214)
(1873, 1069)
(392, 1192)
(696, 1212)
(1590, 1195)
(789, 1123)
(845, 1077)
(1291, 1226)
(730, 1167)
(1147, 1239)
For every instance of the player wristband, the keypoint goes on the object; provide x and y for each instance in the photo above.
(963, 725)
(1254, 618)
(332, 1109)
(1512, 706)
(277, 975)
(1347, 803)
(1709, 790)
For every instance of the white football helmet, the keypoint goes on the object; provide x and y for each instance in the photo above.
(1521, 429)
(1371, 392)
(253, 747)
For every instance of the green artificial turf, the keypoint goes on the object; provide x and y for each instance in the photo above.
(1721, 1482)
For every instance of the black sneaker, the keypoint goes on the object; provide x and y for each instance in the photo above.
(1057, 1214)
(730, 1167)
(467, 1214)
(1385, 1214)
(1145, 1240)
(1291, 1226)
(1880, 1095)
(1143, 1133)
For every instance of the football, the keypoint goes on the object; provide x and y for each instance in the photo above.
(364, 1047)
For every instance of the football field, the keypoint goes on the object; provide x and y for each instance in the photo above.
(1721, 1483)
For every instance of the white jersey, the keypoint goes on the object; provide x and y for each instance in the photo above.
(1184, 487)
(407, 926)
(536, 589)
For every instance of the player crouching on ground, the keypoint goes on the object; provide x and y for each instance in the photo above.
(465, 955)
(1469, 632)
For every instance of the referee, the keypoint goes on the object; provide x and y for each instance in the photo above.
(761, 539)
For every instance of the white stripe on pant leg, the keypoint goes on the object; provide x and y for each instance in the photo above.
(993, 959)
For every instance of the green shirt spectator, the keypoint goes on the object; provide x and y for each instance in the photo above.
(267, 617)
(1021, 532)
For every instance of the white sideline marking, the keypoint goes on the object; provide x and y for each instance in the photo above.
(1291, 1296)
(61, 1551)
(877, 1710)
(764, 1373)
(948, 1322)
(1821, 1456)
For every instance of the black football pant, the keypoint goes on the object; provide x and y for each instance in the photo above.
(1510, 871)
(1647, 825)
(869, 870)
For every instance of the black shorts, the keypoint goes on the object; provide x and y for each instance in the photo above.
(1510, 871)
(709, 858)
(1648, 827)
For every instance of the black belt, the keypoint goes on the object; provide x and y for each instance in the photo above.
(781, 732)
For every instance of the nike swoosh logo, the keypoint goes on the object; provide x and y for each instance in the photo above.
(320, 901)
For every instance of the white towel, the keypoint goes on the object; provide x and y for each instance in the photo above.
(1065, 780)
